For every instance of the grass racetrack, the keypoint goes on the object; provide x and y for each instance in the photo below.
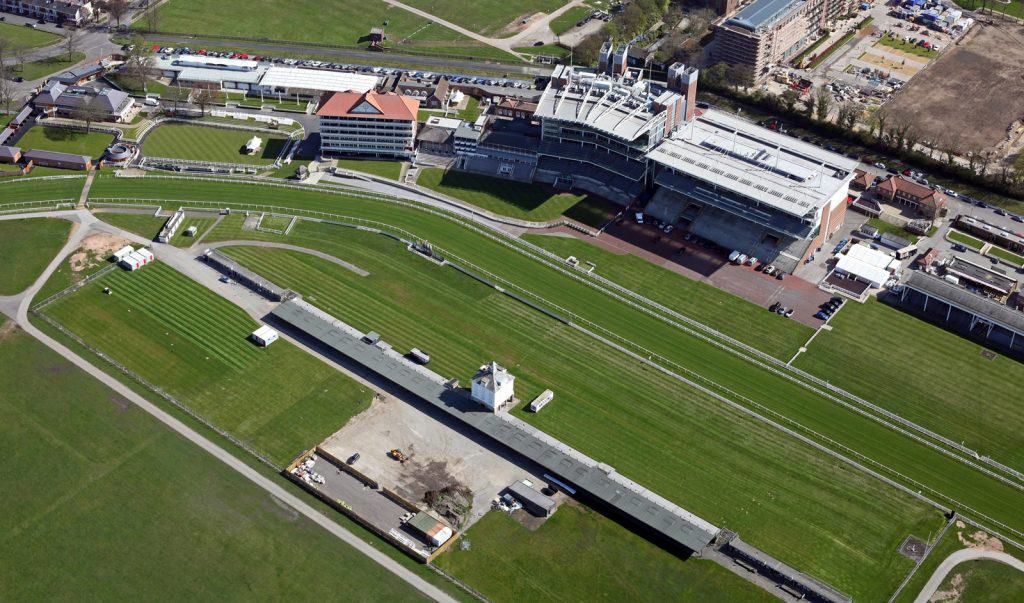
(520, 200)
(22, 190)
(205, 143)
(145, 225)
(950, 388)
(596, 560)
(348, 24)
(792, 501)
(43, 138)
(101, 494)
(26, 248)
(194, 345)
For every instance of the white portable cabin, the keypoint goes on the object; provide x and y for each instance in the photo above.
(132, 262)
(264, 336)
(542, 400)
(146, 254)
(120, 253)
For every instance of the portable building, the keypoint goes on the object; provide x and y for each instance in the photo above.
(146, 254)
(419, 355)
(542, 400)
(122, 252)
(9, 154)
(430, 528)
(131, 261)
(264, 336)
(533, 501)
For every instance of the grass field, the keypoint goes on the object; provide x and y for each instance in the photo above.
(180, 239)
(978, 402)
(885, 227)
(194, 344)
(550, 50)
(984, 581)
(26, 248)
(201, 143)
(144, 225)
(1004, 254)
(91, 144)
(19, 36)
(384, 169)
(347, 25)
(456, 320)
(907, 47)
(117, 505)
(505, 197)
(35, 70)
(615, 424)
(703, 302)
(1010, 7)
(488, 17)
(569, 19)
(966, 239)
(596, 560)
(23, 190)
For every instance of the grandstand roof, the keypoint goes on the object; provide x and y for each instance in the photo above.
(318, 79)
(978, 305)
(196, 68)
(772, 169)
(761, 13)
(618, 106)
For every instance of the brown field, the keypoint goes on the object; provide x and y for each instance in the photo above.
(971, 95)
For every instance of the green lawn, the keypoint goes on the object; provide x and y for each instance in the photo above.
(203, 143)
(593, 211)
(504, 197)
(384, 169)
(92, 144)
(145, 225)
(907, 47)
(39, 69)
(348, 23)
(19, 36)
(194, 345)
(548, 50)
(275, 223)
(722, 311)
(1011, 7)
(412, 303)
(488, 17)
(117, 505)
(869, 349)
(614, 413)
(180, 239)
(966, 239)
(22, 189)
(289, 170)
(569, 19)
(592, 558)
(985, 581)
(886, 227)
(1007, 255)
(26, 248)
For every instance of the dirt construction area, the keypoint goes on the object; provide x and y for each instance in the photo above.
(439, 455)
(972, 98)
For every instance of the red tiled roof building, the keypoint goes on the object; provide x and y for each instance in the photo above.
(369, 124)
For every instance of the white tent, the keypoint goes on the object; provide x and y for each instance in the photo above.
(866, 264)
(253, 145)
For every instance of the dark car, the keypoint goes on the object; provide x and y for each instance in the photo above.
(352, 459)
(1000, 212)
(1016, 218)
(780, 275)
(774, 307)
(959, 247)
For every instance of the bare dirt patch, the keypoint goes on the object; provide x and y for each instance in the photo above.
(519, 24)
(980, 539)
(7, 328)
(954, 593)
(93, 248)
(971, 96)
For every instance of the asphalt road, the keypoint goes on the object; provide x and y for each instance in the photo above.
(957, 558)
(85, 224)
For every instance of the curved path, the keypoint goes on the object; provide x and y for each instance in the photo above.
(947, 565)
(87, 223)
(272, 245)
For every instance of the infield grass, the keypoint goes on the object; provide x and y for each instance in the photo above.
(596, 560)
(92, 144)
(20, 190)
(26, 248)
(194, 345)
(521, 200)
(384, 169)
(101, 494)
(348, 24)
(201, 143)
(144, 225)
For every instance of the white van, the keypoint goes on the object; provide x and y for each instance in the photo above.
(151, 102)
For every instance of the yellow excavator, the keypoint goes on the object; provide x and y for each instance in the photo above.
(398, 455)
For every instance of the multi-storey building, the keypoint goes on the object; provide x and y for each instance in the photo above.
(58, 11)
(104, 104)
(768, 32)
(368, 124)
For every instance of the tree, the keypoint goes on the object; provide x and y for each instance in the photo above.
(6, 89)
(153, 17)
(5, 48)
(116, 9)
(137, 63)
(90, 111)
(714, 76)
(585, 53)
(203, 98)
(71, 41)
(739, 75)
(822, 103)
(789, 98)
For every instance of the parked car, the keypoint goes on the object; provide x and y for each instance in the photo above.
(352, 459)
(1000, 212)
(880, 166)
(751, 261)
(780, 275)
(959, 247)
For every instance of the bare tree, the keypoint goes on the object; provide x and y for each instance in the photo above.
(203, 99)
(90, 111)
(20, 53)
(71, 40)
(153, 17)
(6, 89)
(137, 63)
(116, 9)
(5, 49)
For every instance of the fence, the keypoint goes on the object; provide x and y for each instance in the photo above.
(648, 356)
(75, 287)
(29, 206)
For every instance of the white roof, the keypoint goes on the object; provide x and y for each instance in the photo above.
(319, 79)
(866, 263)
(264, 332)
(448, 123)
(196, 68)
(774, 169)
(617, 106)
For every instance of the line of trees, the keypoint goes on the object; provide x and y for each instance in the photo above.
(637, 18)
